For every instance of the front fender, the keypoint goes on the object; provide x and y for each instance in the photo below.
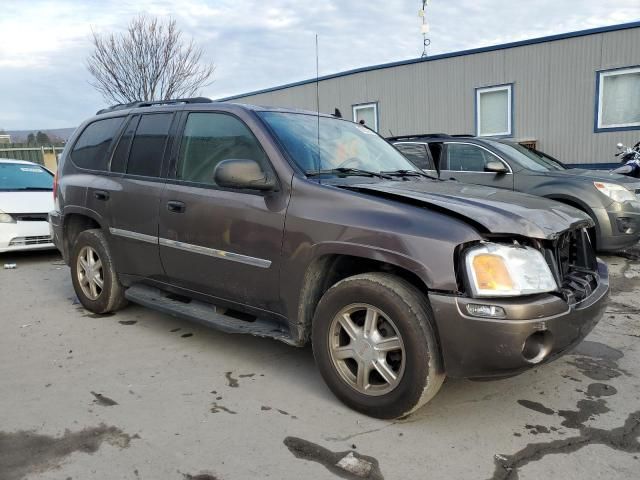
(379, 254)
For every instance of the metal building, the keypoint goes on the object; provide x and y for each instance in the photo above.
(575, 95)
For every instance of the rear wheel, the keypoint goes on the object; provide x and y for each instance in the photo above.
(375, 345)
(93, 275)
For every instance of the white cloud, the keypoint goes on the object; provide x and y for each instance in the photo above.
(257, 43)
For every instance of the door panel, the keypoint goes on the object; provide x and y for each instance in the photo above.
(135, 197)
(465, 162)
(216, 241)
(224, 244)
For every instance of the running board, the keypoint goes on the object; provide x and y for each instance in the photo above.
(205, 313)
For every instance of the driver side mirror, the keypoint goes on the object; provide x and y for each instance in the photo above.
(495, 166)
(242, 173)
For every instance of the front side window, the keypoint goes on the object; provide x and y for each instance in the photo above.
(493, 111)
(618, 99)
(24, 176)
(464, 157)
(147, 148)
(366, 114)
(339, 144)
(90, 151)
(210, 138)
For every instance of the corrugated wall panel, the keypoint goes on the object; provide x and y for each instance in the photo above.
(553, 87)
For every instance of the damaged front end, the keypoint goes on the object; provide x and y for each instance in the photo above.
(502, 334)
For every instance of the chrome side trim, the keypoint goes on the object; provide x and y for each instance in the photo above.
(133, 235)
(212, 252)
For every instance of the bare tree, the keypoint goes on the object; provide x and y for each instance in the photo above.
(150, 61)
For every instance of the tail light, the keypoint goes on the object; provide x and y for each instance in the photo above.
(55, 185)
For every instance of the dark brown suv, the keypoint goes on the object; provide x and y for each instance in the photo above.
(300, 227)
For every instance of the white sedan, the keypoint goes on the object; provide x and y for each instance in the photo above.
(26, 197)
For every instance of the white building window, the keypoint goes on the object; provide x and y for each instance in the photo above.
(493, 111)
(618, 99)
(367, 112)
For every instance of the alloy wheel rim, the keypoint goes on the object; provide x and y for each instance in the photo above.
(366, 349)
(90, 273)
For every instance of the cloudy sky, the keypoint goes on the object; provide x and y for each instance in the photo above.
(257, 44)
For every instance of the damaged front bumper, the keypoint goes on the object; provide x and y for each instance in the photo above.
(535, 330)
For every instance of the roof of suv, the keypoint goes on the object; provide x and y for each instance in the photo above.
(125, 108)
(440, 137)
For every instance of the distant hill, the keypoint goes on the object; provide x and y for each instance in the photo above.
(57, 135)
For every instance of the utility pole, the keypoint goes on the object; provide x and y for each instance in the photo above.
(424, 28)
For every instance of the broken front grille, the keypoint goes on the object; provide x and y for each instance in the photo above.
(572, 260)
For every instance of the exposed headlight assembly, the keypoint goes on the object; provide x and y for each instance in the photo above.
(6, 218)
(498, 270)
(614, 191)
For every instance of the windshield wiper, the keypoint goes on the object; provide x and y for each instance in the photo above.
(408, 173)
(42, 189)
(349, 171)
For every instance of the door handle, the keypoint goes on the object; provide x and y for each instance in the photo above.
(101, 195)
(175, 206)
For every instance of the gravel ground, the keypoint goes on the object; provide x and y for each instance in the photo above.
(141, 395)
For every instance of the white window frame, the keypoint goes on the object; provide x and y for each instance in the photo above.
(362, 106)
(600, 87)
(496, 88)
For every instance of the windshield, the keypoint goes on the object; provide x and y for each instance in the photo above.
(527, 158)
(24, 176)
(343, 144)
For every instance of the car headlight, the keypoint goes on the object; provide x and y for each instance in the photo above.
(6, 218)
(497, 270)
(614, 191)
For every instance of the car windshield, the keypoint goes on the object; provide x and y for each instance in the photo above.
(24, 176)
(527, 158)
(342, 145)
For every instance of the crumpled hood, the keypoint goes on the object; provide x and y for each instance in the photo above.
(26, 202)
(498, 211)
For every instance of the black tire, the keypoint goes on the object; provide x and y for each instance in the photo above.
(413, 321)
(111, 296)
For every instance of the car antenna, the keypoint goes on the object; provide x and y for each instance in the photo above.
(391, 132)
(318, 105)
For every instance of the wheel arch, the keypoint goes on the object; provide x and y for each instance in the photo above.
(327, 269)
(76, 222)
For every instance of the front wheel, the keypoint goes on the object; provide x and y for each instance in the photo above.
(375, 345)
(93, 274)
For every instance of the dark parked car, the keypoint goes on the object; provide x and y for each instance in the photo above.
(250, 220)
(612, 201)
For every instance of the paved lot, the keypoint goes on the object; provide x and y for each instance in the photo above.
(141, 395)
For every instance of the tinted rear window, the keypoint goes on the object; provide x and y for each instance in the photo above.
(90, 151)
(417, 153)
(148, 145)
(23, 176)
(121, 153)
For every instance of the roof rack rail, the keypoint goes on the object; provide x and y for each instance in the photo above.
(172, 101)
(462, 135)
(420, 135)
